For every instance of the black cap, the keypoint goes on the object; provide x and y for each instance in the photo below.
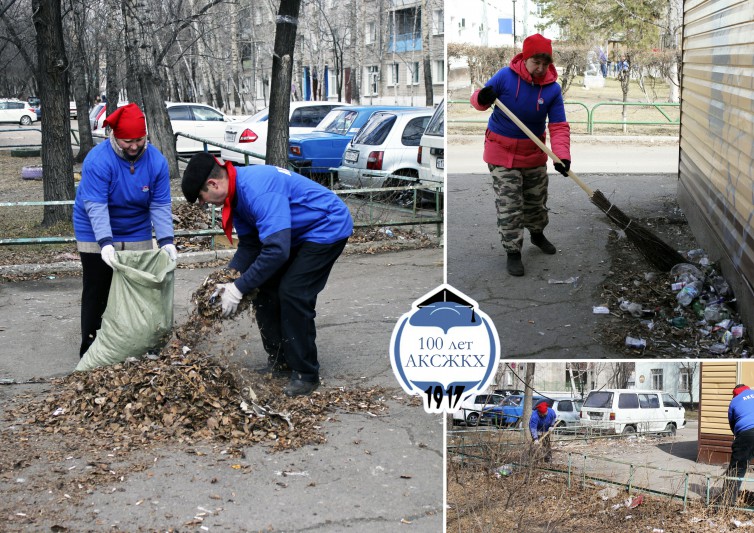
(197, 171)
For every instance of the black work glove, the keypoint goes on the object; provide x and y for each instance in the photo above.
(563, 168)
(486, 96)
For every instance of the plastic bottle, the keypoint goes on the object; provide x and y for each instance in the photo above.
(684, 272)
(689, 293)
(679, 322)
(720, 285)
(715, 313)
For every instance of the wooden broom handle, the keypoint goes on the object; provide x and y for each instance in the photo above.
(542, 146)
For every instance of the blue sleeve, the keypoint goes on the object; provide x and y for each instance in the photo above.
(556, 112)
(249, 247)
(533, 425)
(99, 217)
(162, 220)
(275, 251)
(731, 421)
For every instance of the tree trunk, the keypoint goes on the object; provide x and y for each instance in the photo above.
(528, 380)
(235, 59)
(426, 55)
(78, 81)
(114, 27)
(280, 90)
(57, 156)
(140, 34)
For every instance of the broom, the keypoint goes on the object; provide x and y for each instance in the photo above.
(657, 253)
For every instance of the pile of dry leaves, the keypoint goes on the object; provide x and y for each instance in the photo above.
(187, 395)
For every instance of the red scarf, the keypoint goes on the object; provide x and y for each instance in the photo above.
(227, 214)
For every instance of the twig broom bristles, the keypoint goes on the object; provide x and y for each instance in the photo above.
(658, 253)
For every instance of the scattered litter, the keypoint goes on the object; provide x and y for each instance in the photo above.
(504, 470)
(633, 503)
(632, 342)
(600, 310)
(608, 493)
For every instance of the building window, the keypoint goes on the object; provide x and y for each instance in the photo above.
(656, 375)
(413, 72)
(372, 80)
(438, 71)
(394, 74)
(438, 22)
(508, 378)
(370, 33)
(686, 380)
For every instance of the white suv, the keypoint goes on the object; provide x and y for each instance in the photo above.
(432, 147)
(16, 111)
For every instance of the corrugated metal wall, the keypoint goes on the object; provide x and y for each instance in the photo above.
(716, 383)
(716, 170)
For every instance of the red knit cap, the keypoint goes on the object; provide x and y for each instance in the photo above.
(127, 122)
(536, 44)
(542, 408)
(739, 389)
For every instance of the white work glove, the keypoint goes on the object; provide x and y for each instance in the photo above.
(171, 250)
(231, 297)
(108, 255)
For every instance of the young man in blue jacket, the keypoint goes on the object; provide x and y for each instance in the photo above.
(741, 420)
(291, 231)
(123, 194)
(540, 423)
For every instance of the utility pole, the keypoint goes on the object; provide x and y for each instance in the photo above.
(514, 27)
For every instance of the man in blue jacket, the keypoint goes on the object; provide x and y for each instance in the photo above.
(123, 194)
(291, 231)
(741, 420)
(540, 423)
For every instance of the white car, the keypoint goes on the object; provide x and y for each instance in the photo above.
(199, 120)
(432, 147)
(630, 411)
(16, 111)
(384, 151)
(251, 134)
(470, 411)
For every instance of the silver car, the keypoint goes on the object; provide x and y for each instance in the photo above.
(385, 151)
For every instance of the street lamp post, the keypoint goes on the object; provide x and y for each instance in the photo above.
(514, 27)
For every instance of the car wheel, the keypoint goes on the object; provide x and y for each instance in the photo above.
(629, 430)
(559, 424)
(670, 428)
(402, 198)
(472, 419)
(25, 120)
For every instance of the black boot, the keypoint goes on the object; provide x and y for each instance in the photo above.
(514, 264)
(539, 240)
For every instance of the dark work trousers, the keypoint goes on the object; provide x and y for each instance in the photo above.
(742, 451)
(285, 307)
(97, 277)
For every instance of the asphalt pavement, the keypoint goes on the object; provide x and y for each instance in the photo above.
(547, 314)
(373, 474)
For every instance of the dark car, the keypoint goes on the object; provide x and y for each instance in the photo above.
(510, 410)
(314, 154)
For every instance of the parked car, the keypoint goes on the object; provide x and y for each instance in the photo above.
(17, 111)
(97, 118)
(199, 120)
(432, 147)
(472, 406)
(508, 392)
(629, 411)
(314, 154)
(384, 151)
(34, 101)
(510, 411)
(251, 134)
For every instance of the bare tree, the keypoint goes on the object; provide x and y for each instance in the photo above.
(280, 90)
(528, 381)
(57, 156)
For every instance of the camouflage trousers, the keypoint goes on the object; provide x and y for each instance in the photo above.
(521, 202)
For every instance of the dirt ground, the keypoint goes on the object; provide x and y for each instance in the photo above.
(484, 498)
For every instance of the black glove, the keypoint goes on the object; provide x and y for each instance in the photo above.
(486, 96)
(563, 168)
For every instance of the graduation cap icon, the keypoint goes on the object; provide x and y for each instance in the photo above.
(445, 309)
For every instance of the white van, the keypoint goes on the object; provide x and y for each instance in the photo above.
(630, 411)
